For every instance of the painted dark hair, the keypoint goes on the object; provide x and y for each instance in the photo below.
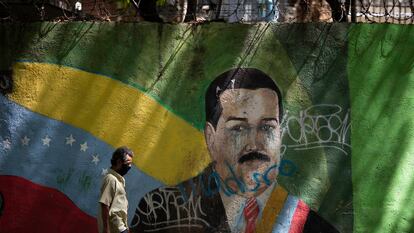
(238, 78)
(121, 153)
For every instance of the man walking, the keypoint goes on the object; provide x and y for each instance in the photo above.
(113, 202)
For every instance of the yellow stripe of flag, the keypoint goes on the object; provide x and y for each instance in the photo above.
(166, 147)
(272, 209)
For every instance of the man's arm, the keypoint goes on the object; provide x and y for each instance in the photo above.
(105, 200)
(105, 217)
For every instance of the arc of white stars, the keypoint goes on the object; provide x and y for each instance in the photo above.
(84, 146)
(70, 140)
(6, 144)
(95, 159)
(46, 140)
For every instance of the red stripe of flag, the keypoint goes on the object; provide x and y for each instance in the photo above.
(299, 217)
(29, 207)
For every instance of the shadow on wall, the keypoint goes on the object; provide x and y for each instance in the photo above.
(172, 55)
(381, 79)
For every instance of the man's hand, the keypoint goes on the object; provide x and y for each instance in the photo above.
(105, 217)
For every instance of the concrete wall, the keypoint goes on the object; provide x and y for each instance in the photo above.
(79, 90)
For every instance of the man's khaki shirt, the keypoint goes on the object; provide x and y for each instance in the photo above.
(113, 195)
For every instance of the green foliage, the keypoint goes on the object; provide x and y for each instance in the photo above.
(123, 4)
(161, 2)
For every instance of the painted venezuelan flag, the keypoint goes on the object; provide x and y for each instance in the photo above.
(58, 131)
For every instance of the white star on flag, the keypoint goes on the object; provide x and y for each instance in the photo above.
(95, 159)
(70, 140)
(6, 144)
(104, 171)
(84, 146)
(25, 141)
(46, 140)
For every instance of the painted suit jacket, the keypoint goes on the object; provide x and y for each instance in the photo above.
(195, 206)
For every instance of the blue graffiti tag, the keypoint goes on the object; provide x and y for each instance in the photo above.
(215, 182)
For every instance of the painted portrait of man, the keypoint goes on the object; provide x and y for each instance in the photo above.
(238, 191)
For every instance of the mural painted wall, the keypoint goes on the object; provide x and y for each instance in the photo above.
(315, 123)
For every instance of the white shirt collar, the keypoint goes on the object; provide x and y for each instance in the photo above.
(234, 206)
(117, 175)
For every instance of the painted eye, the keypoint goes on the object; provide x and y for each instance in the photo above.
(267, 127)
(238, 128)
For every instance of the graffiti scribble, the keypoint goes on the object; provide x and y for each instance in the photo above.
(320, 126)
(186, 212)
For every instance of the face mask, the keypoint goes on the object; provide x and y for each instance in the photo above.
(124, 169)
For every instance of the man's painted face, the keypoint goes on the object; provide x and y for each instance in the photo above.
(246, 141)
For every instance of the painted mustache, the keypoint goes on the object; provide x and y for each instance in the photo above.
(253, 156)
